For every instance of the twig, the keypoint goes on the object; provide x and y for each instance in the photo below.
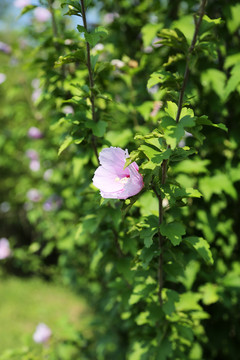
(119, 250)
(91, 80)
(160, 246)
(54, 24)
(190, 50)
(165, 162)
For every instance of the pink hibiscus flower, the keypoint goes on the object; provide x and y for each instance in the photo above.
(5, 250)
(113, 181)
(42, 333)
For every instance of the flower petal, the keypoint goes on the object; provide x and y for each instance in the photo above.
(105, 180)
(113, 181)
(113, 159)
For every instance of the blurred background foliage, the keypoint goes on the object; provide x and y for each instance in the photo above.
(49, 210)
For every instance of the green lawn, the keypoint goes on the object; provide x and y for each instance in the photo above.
(24, 303)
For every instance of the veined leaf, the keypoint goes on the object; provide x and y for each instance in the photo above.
(201, 246)
(173, 231)
(98, 128)
(77, 56)
(203, 120)
(207, 24)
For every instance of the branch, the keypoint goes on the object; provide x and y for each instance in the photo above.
(91, 81)
(160, 245)
(54, 24)
(165, 162)
(190, 50)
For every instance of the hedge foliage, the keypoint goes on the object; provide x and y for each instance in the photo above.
(161, 269)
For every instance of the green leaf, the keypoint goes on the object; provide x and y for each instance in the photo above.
(210, 293)
(147, 255)
(169, 303)
(165, 350)
(77, 56)
(233, 20)
(68, 141)
(195, 166)
(186, 25)
(232, 60)
(171, 109)
(93, 37)
(189, 192)
(217, 184)
(207, 24)
(203, 120)
(189, 301)
(74, 3)
(149, 32)
(173, 231)
(233, 81)
(173, 131)
(182, 153)
(98, 128)
(165, 78)
(173, 38)
(81, 29)
(201, 246)
(214, 79)
(26, 9)
(149, 229)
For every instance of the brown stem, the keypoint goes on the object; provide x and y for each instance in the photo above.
(54, 24)
(119, 250)
(160, 236)
(165, 162)
(190, 50)
(91, 80)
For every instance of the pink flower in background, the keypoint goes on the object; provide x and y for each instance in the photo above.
(110, 17)
(113, 181)
(36, 94)
(21, 3)
(54, 202)
(34, 195)
(5, 250)
(34, 133)
(154, 42)
(42, 14)
(34, 165)
(5, 48)
(32, 154)
(42, 333)
(68, 109)
(156, 107)
(2, 78)
(48, 174)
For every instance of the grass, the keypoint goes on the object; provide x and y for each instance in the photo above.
(26, 302)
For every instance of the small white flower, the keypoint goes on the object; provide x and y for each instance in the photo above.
(118, 63)
(165, 202)
(98, 47)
